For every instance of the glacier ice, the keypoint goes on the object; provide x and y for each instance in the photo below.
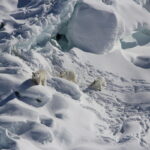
(92, 29)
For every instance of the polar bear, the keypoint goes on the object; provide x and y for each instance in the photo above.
(98, 84)
(39, 77)
(69, 75)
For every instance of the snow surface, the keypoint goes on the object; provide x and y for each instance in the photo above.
(98, 38)
(88, 25)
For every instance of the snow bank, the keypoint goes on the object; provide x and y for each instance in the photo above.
(5, 141)
(57, 104)
(35, 95)
(138, 57)
(93, 27)
(16, 109)
(7, 5)
(13, 71)
(136, 98)
(67, 87)
(40, 133)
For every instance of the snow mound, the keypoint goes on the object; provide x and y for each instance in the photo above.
(58, 103)
(46, 121)
(12, 72)
(5, 141)
(40, 133)
(13, 109)
(139, 58)
(16, 127)
(88, 26)
(142, 61)
(7, 60)
(35, 95)
(67, 87)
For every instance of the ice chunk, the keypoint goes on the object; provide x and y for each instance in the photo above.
(92, 29)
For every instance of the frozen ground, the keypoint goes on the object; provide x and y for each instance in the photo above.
(98, 38)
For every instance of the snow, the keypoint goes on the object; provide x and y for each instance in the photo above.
(6, 142)
(95, 39)
(139, 59)
(88, 25)
(65, 86)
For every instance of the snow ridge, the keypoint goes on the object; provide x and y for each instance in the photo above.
(87, 37)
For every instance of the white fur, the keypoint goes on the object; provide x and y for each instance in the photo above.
(40, 77)
(69, 75)
(98, 84)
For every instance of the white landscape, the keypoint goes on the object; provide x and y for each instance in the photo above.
(107, 39)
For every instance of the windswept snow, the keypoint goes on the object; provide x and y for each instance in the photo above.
(93, 38)
(65, 86)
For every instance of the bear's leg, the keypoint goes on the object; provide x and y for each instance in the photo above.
(104, 84)
(39, 82)
(43, 82)
(100, 87)
(74, 79)
(35, 82)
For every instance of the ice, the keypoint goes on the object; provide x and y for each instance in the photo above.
(95, 39)
(139, 59)
(140, 37)
(88, 25)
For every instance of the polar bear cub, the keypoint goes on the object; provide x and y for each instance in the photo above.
(40, 77)
(98, 84)
(69, 75)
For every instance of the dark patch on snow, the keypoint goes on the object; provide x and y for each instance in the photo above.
(2, 25)
(41, 136)
(59, 115)
(23, 3)
(47, 122)
(108, 2)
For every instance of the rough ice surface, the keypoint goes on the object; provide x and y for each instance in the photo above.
(60, 35)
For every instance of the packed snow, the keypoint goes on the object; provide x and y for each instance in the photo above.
(95, 39)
